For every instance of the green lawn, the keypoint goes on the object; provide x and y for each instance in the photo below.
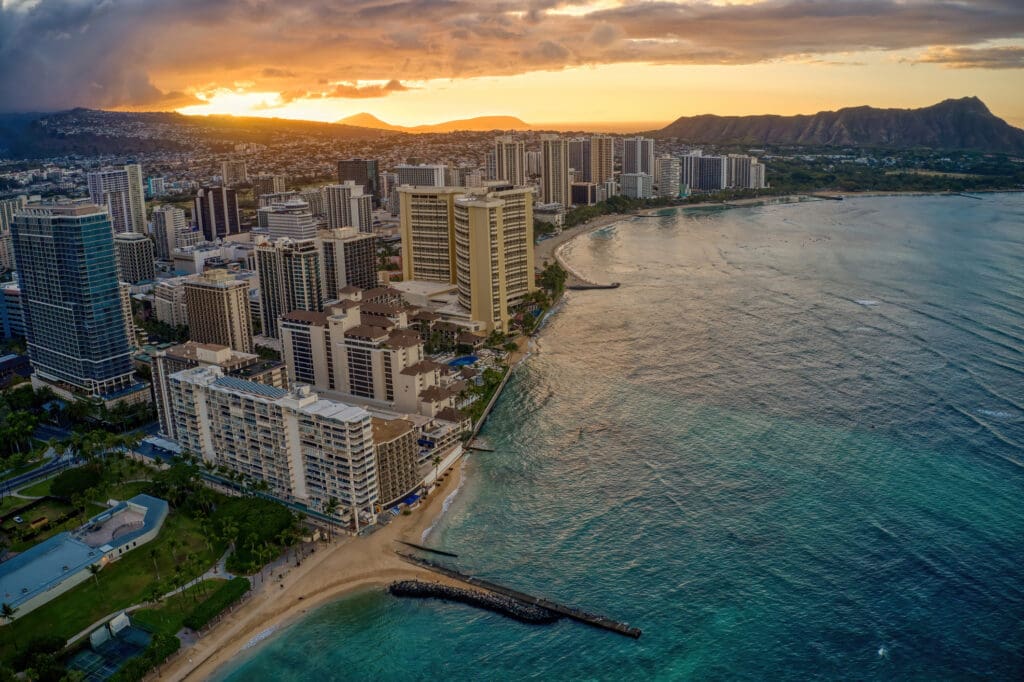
(121, 584)
(125, 491)
(167, 617)
(37, 489)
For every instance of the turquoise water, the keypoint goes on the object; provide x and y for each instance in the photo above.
(790, 446)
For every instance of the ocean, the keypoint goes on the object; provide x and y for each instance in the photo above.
(789, 447)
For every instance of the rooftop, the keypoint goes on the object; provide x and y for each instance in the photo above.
(51, 562)
(386, 430)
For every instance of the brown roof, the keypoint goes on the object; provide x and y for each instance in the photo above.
(450, 414)
(424, 315)
(343, 305)
(404, 339)
(381, 308)
(366, 332)
(422, 367)
(349, 289)
(387, 430)
(434, 394)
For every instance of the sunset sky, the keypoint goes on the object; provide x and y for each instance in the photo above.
(424, 61)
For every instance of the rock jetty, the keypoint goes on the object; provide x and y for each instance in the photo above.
(506, 606)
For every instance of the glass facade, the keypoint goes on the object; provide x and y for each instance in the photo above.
(72, 305)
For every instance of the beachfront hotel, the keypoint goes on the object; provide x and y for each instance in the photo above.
(306, 449)
(480, 240)
(52, 567)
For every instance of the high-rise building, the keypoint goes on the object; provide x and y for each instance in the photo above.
(267, 184)
(637, 185)
(494, 253)
(135, 260)
(12, 313)
(584, 193)
(291, 219)
(364, 350)
(394, 442)
(8, 207)
(579, 159)
(110, 189)
(757, 175)
(555, 170)
(233, 172)
(427, 224)
(156, 187)
(216, 212)
(668, 176)
(186, 356)
(171, 231)
(638, 155)
(704, 173)
(350, 259)
(602, 159)
(338, 204)
(169, 301)
(315, 199)
(364, 172)
(534, 162)
(305, 448)
(423, 175)
(345, 205)
(125, 289)
(218, 310)
(290, 279)
(136, 197)
(74, 321)
(362, 213)
(510, 161)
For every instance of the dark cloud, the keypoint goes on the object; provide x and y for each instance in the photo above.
(110, 53)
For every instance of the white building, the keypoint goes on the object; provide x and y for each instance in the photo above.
(555, 171)
(291, 219)
(637, 185)
(304, 448)
(423, 175)
(668, 176)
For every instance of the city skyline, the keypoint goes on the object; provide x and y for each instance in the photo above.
(592, 61)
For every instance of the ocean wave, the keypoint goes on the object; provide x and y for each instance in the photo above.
(447, 501)
(259, 637)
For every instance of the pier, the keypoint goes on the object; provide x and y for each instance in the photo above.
(578, 615)
(587, 286)
(830, 197)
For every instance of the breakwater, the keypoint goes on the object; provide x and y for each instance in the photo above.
(496, 590)
(506, 606)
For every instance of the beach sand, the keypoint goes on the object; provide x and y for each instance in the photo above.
(344, 566)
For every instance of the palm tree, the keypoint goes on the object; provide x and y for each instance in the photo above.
(153, 554)
(94, 570)
(174, 544)
(437, 461)
(8, 611)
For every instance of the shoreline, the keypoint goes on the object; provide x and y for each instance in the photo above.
(551, 249)
(356, 564)
(335, 570)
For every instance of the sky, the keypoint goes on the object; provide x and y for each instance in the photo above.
(609, 62)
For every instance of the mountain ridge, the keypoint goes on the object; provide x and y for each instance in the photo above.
(474, 124)
(961, 124)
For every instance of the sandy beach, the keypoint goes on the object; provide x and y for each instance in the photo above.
(344, 566)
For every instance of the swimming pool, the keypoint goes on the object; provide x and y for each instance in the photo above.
(463, 361)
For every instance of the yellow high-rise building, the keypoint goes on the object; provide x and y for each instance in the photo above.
(494, 253)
